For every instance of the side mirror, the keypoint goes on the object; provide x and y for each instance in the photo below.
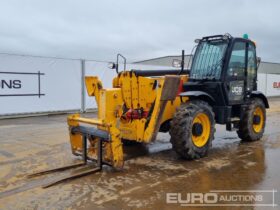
(197, 40)
(112, 65)
(177, 63)
(258, 61)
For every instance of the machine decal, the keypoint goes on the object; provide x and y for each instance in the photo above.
(236, 90)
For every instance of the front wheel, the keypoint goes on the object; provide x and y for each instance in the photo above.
(192, 129)
(252, 124)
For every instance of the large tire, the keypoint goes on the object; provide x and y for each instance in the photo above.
(251, 129)
(184, 134)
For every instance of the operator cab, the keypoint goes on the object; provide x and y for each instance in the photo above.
(224, 69)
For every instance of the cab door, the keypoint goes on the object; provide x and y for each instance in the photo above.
(236, 73)
(251, 82)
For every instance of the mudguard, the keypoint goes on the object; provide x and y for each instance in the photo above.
(199, 95)
(259, 94)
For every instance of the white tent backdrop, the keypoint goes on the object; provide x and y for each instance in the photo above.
(58, 86)
(273, 85)
(262, 83)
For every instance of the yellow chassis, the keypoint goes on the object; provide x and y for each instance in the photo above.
(156, 95)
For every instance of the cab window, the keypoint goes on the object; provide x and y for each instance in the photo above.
(252, 67)
(237, 64)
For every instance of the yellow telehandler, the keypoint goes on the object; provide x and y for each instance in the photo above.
(220, 87)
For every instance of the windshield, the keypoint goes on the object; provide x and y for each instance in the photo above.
(208, 60)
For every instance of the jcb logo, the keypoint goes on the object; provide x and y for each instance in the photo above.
(276, 85)
(237, 90)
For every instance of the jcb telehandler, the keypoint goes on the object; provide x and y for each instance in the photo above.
(220, 87)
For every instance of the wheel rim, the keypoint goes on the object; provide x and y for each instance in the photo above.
(201, 139)
(257, 126)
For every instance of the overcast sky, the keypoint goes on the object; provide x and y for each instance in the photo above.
(138, 29)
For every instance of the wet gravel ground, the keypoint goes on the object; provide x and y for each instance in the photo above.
(37, 143)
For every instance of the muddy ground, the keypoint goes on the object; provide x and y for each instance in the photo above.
(32, 144)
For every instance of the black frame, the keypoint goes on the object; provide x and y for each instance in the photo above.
(222, 106)
(213, 38)
(39, 94)
(226, 79)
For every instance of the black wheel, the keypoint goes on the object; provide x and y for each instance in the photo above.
(252, 124)
(192, 129)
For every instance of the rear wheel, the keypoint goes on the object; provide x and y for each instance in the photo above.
(192, 129)
(252, 124)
